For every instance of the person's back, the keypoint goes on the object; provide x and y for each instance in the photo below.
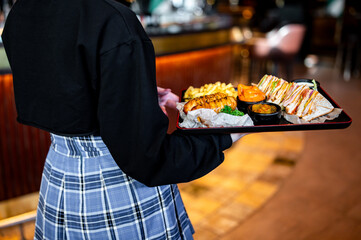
(84, 70)
(60, 42)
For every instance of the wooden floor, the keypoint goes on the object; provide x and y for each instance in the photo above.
(253, 171)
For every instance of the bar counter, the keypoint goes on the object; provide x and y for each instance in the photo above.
(200, 33)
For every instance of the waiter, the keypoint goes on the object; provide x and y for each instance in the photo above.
(84, 70)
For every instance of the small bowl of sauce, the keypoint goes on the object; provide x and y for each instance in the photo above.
(265, 113)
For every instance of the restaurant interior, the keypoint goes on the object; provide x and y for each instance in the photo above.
(297, 183)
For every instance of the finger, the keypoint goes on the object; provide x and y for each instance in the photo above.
(171, 104)
(163, 91)
(173, 97)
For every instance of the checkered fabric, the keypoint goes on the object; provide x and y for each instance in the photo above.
(84, 195)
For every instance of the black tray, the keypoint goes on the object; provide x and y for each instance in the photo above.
(341, 122)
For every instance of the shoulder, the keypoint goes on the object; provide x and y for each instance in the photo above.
(107, 24)
(120, 8)
(127, 18)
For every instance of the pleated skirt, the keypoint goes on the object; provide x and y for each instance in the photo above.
(85, 195)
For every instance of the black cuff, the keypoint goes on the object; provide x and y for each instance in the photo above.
(225, 141)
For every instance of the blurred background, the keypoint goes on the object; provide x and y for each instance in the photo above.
(276, 185)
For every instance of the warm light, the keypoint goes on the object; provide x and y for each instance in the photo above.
(6, 78)
(247, 14)
(247, 32)
(245, 53)
(193, 56)
(234, 2)
(236, 34)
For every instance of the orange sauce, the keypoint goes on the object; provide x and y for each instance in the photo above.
(264, 108)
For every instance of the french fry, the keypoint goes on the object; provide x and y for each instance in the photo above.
(210, 88)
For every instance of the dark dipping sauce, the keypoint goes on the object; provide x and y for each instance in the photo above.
(264, 108)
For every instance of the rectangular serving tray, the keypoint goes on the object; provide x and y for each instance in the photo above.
(341, 122)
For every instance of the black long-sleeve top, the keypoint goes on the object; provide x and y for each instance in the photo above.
(85, 67)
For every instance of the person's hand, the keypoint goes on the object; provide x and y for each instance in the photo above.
(236, 136)
(167, 99)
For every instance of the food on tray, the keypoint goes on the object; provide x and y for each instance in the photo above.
(264, 108)
(295, 101)
(250, 93)
(210, 88)
(274, 88)
(265, 113)
(227, 109)
(317, 106)
(215, 101)
(296, 98)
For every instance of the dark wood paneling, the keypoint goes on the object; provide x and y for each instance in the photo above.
(22, 148)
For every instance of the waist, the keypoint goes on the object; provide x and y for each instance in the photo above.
(79, 146)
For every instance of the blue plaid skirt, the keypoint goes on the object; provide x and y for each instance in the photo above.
(84, 195)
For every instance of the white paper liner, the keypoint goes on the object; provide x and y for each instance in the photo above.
(206, 118)
(296, 120)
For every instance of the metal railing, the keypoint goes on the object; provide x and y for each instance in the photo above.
(18, 221)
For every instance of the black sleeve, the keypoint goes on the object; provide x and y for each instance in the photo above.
(134, 128)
